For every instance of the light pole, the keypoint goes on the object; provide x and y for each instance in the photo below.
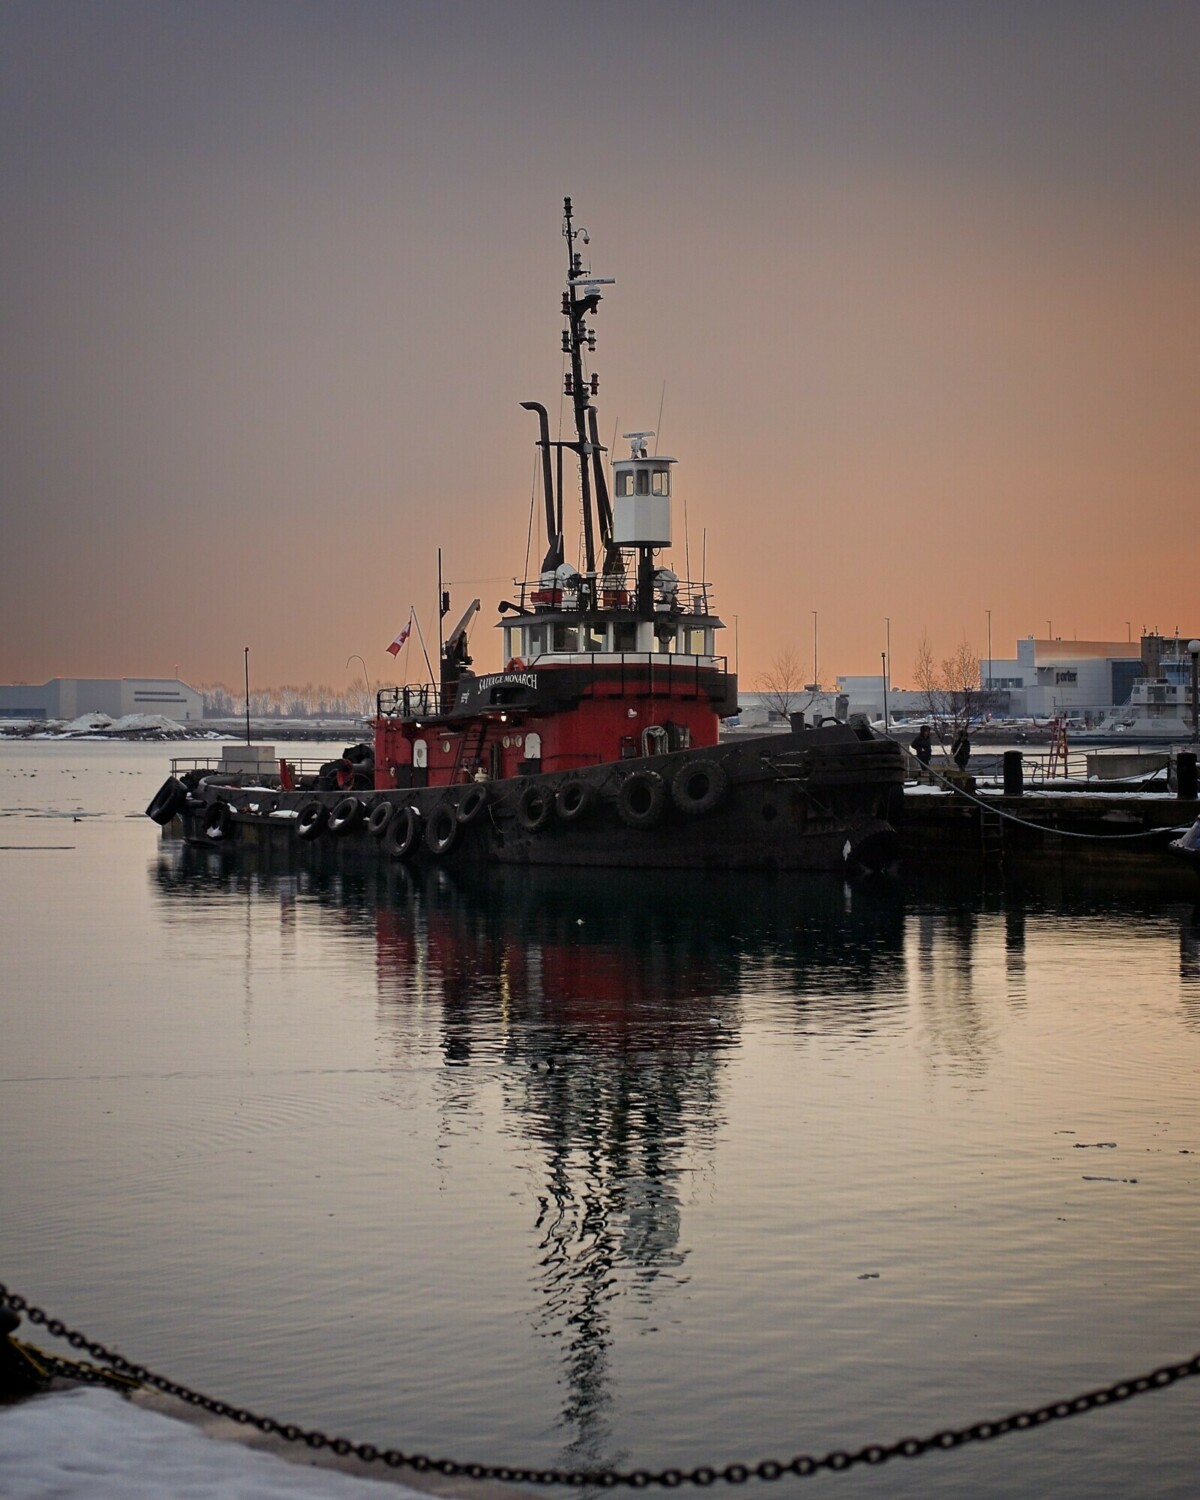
(1049, 630)
(1194, 653)
(1128, 632)
(989, 676)
(816, 683)
(366, 675)
(887, 675)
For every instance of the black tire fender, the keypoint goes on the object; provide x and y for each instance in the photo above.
(170, 799)
(700, 786)
(346, 816)
(381, 815)
(472, 802)
(218, 820)
(535, 808)
(641, 799)
(403, 831)
(574, 799)
(442, 828)
(311, 819)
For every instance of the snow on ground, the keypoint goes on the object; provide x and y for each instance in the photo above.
(98, 725)
(91, 1444)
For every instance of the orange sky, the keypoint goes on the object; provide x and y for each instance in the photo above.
(920, 283)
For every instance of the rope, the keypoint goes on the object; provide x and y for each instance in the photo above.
(803, 1465)
(1066, 833)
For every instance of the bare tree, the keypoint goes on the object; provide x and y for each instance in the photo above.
(952, 688)
(782, 686)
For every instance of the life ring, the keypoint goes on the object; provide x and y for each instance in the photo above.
(573, 800)
(535, 808)
(170, 799)
(218, 820)
(403, 831)
(441, 832)
(472, 802)
(311, 819)
(346, 815)
(700, 786)
(381, 815)
(641, 799)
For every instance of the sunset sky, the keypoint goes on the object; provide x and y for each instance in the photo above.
(916, 285)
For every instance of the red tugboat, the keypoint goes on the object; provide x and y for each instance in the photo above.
(598, 743)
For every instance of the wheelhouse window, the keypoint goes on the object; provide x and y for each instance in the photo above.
(535, 642)
(660, 482)
(592, 638)
(566, 638)
(643, 481)
(625, 635)
(624, 482)
(698, 642)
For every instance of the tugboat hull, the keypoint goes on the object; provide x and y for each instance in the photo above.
(820, 799)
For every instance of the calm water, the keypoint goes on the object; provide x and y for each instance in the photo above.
(556, 1170)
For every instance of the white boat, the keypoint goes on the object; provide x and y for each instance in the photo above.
(1159, 710)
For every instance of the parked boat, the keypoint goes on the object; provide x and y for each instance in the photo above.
(1187, 846)
(1159, 711)
(597, 742)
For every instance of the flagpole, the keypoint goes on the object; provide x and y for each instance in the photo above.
(247, 695)
(441, 615)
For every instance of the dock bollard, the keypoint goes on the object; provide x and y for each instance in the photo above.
(1014, 774)
(1185, 775)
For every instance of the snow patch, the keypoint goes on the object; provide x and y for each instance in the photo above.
(94, 1445)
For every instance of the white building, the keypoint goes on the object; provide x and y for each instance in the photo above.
(1080, 679)
(67, 698)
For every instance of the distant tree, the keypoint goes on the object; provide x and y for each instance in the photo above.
(782, 686)
(952, 689)
(218, 700)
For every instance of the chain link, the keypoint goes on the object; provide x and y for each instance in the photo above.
(802, 1466)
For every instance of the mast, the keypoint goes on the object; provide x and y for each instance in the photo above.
(576, 309)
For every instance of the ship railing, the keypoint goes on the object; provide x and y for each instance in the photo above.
(285, 770)
(664, 672)
(414, 701)
(686, 595)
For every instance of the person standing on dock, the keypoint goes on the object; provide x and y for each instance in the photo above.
(960, 750)
(922, 746)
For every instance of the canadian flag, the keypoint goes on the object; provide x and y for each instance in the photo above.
(394, 648)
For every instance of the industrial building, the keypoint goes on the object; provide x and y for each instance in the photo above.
(66, 698)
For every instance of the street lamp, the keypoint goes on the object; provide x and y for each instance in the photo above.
(887, 673)
(989, 676)
(1194, 653)
(816, 683)
(366, 676)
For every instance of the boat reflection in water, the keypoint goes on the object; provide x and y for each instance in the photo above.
(608, 1009)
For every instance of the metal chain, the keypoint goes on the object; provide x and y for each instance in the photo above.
(801, 1466)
